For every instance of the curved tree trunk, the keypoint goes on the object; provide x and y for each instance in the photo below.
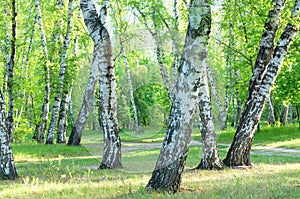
(259, 90)
(7, 164)
(63, 65)
(173, 154)
(210, 155)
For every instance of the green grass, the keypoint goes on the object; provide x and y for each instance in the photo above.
(59, 171)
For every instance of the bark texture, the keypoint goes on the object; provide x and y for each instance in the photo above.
(135, 112)
(42, 125)
(210, 155)
(63, 65)
(222, 111)
(7, 165)
(11, 65)
(171, 161)
(259, 91)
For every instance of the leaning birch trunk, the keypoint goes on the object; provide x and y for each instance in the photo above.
(222, 113)
(41, 126)
(239, 152)
(7, 164)
(135, 112)
(11, 65)
(171, 161)
(210, 155)
(63, 65)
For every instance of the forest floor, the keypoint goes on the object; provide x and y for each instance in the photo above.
(60, 171)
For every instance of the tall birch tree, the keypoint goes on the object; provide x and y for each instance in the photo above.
(63, 65)
(210, 155)
(267, 67)
(173, 154)
(7, 164)
(42, 125)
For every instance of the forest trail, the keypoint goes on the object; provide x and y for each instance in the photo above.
(263, 150)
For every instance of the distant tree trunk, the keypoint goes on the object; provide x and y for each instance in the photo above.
(11, 65)
(170, 164)
(41, 126)
(222, 114)
(62, 124)
(232, 110)
(284, 115)
(271, 115)
(135, 113)
(210, 155)
(267, 66)
(298, 114)
(291, 120)
(63, 65)
(7, 164)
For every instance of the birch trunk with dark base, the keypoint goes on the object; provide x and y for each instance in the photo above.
(78, 128)
(63, 65)
(239, 152)
(210, 155)
(7, 164)
(171, 161)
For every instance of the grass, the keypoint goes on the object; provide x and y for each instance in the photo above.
(59, 171)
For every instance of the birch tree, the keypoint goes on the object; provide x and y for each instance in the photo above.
(42, 125)
(267, 67)
(63, 65)
(210, 155)
(173, 154)
(7, 165)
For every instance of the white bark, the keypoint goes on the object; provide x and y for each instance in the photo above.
(7, 165)
(173, 154)
(222, 112)
(239, 152)
(135, 113)
(63, 65)
(210, 155)
(41, 127)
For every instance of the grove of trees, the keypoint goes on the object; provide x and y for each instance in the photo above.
(137, 65)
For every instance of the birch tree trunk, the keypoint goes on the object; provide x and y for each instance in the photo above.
(135, 112)
(63, 65)
(103, 61)
(6, 50)
(283, 115)
(210, 155)
(222, 111)
(11, 65)
(271, 115)
(7, 164)
(41, 126)
(261, 85)
(171, 161)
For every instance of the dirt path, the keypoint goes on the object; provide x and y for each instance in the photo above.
(263, 150)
